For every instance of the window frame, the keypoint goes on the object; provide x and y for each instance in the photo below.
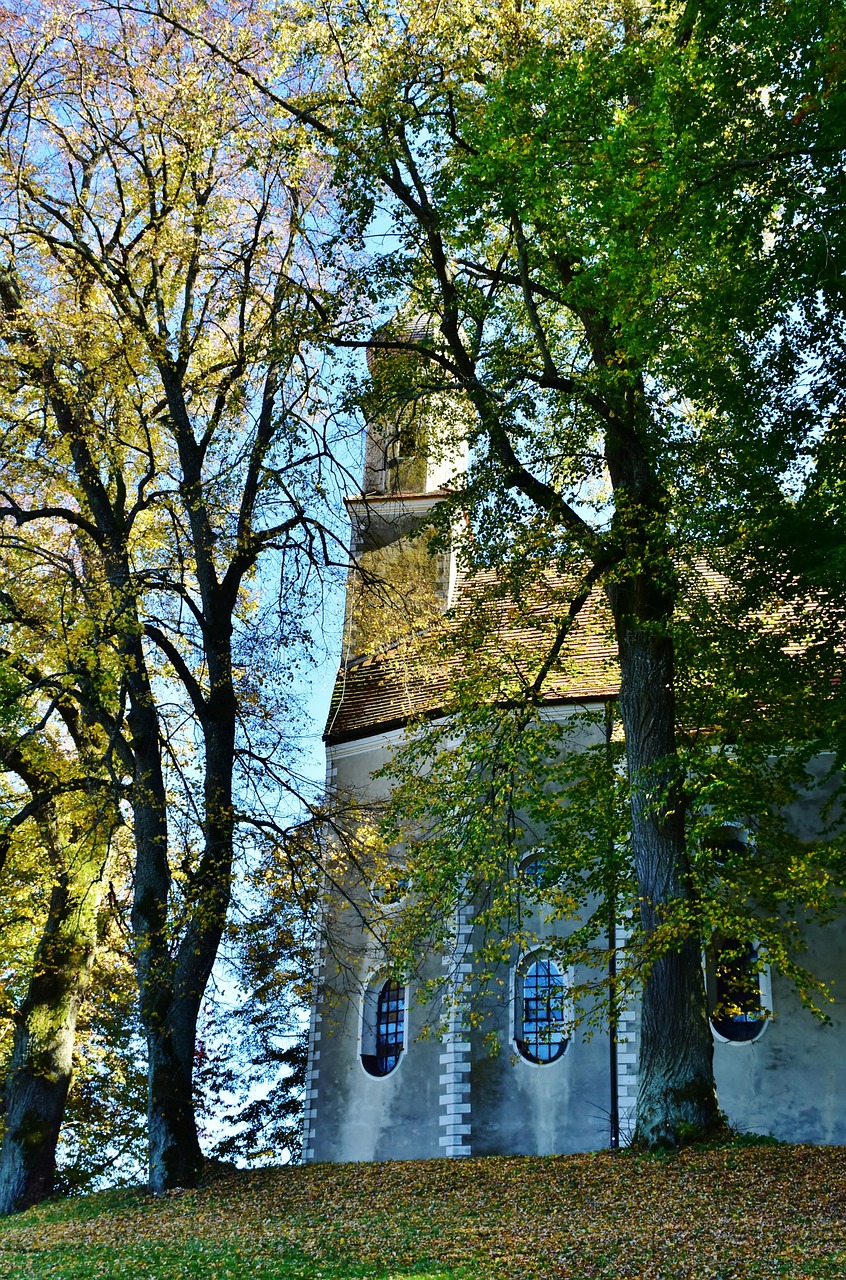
(391, 894)
(519, 1041)
(372, 1054)
(534, 869)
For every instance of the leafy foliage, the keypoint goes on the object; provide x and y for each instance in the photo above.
(502, 779)
(103, 1139)
(160, 314)
(600, 211)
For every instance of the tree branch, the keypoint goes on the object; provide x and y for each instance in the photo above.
(180, 666)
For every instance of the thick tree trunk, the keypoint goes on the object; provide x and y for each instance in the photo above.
(676, 1095)
(677, 1098)
(39, 1076)
(175, 1158)
(172, 988)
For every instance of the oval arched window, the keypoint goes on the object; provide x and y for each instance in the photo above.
(390, 887)
(735, 981)
(383, 1029)
(541, 1011)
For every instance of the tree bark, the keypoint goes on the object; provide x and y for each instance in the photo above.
(175, 1155)
(677, 1098)
(175, 1158)
(39, 1075)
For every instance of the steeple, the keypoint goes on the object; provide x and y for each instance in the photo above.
(414, 445)
(410, 445)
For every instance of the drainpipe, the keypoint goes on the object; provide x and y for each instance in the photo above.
(614, 1110)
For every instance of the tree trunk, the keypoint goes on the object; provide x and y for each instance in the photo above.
(175, 1158)
(677, 1098)
(174, 1148)
(172, 989)
(39, 1076)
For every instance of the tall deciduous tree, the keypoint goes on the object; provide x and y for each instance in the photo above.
(157, 308)
(596, 206)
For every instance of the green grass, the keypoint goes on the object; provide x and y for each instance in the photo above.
(734, 1211)
(193, 1259)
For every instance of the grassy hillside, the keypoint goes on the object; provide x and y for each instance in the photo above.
(734, 1211)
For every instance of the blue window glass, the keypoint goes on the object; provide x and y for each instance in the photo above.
(541, 1007)
(535, 870)
(384, 1035)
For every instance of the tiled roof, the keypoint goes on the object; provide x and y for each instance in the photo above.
(386, 690)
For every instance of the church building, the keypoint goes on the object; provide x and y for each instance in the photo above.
(382, 1084)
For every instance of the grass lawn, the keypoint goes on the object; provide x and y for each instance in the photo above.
(733, 1211)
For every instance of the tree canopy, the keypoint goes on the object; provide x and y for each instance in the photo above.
(605, 213)
(160, 298)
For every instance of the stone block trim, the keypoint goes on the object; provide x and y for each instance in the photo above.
(627, 1055)
(312, 1086)
(454, 1080)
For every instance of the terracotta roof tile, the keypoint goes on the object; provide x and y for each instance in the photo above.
(385, 691)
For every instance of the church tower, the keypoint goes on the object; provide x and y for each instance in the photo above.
(376, 1089)
(414, 448)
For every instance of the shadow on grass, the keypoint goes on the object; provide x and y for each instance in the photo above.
(194, 1260)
